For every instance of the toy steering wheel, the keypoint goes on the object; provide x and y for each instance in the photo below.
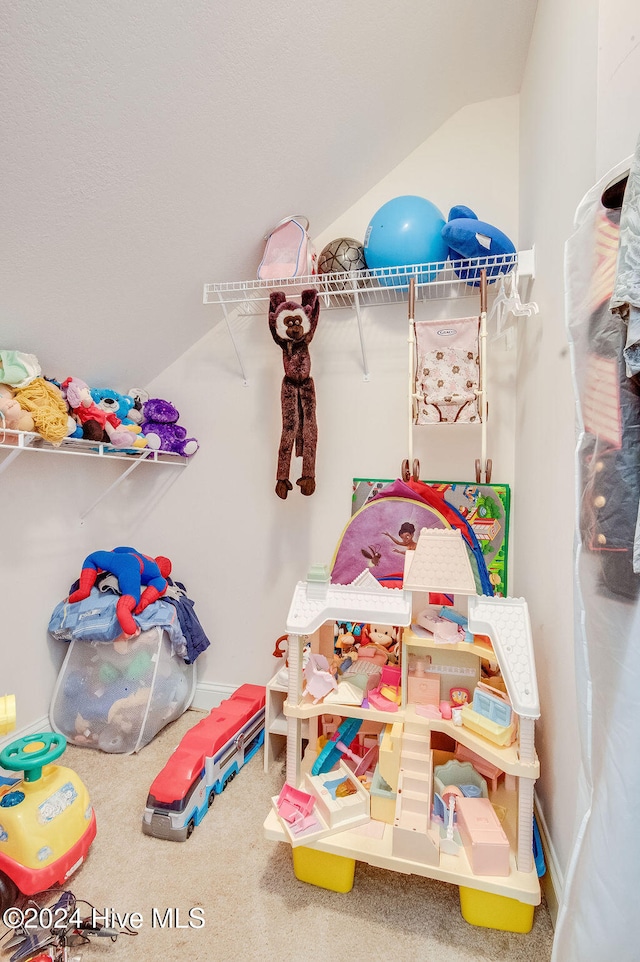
(32, 753)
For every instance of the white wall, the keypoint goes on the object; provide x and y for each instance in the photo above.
(148, 145)
(238, 548)
(557, 164)
(578, 118)
(44, 543)
(618, 119)
(242, 549)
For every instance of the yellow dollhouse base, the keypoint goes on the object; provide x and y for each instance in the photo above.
(334, 872)
(484, 909)
(495, 911)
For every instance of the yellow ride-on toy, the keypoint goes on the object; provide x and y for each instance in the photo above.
(47, 822)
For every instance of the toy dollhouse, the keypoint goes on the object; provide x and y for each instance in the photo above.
(447, 736)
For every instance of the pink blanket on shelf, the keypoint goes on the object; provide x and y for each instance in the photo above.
(447, 370)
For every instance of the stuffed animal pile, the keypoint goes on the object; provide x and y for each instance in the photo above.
(57, 410)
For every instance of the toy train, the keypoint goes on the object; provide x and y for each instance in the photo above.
(208, 757)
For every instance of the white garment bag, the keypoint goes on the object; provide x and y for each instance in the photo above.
(598, 919)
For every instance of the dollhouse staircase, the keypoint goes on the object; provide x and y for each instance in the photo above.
(411, 837)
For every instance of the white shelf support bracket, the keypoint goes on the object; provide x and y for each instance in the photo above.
(233, 340)
(10, 457)
(356, 304)
(527, 263)
(527, 269)
(143, 457)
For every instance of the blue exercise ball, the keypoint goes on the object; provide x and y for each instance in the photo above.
(406, 230)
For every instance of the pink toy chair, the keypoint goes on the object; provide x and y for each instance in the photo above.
(389, 680)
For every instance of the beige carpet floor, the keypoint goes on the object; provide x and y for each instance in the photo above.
(253, 906)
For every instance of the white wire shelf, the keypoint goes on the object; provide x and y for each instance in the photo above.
(356, 290)
(440, 280)
(18, 441)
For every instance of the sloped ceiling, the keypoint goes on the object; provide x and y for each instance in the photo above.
(149, 145)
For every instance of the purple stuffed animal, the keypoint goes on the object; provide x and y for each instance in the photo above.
(163, 433)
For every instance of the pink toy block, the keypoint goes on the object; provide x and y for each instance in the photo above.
(483, 837)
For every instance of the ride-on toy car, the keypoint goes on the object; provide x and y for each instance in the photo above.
(47, 822)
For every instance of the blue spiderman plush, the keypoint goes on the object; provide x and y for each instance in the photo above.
(123, 406)
(133, 571)
(467, 237)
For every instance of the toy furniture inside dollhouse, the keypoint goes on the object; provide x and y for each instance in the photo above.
(422, 762)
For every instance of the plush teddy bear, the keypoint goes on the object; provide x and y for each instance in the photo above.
(162, 431)
(123, 406)
(11, 414)
(97, 425)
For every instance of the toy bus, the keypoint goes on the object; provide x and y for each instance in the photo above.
(208, 757)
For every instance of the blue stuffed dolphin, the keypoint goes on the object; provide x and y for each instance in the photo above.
(469, 238)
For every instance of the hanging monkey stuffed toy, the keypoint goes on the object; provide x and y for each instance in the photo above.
(292, 327)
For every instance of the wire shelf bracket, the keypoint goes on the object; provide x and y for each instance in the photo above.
(19, 442)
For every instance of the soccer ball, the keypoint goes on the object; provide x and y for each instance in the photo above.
(341, 254)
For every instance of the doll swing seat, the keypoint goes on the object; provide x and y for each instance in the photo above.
(447, 379)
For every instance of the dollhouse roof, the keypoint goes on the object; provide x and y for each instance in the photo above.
(440, 562)
(506, 621)
(314, 603)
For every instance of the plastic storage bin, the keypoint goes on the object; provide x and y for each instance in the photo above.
(116, 696)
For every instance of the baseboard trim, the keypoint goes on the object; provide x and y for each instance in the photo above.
(552, 882)
(209, 695)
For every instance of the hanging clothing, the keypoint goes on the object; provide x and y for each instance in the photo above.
(625, 298)
(609, 484)
(195, 639)
(597, 918)
(95, 619)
